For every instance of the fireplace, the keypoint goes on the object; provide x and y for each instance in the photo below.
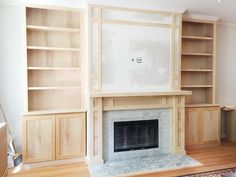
(135, 135)
(108, 108)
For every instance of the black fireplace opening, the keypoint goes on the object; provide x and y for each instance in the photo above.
(135, 135)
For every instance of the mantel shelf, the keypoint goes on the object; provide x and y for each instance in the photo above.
(137, 94)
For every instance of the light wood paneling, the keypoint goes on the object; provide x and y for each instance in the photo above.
(193, 126)
(50, 99)
(211, 125)
(39, 138)
(70, 135)
(3, 149)
(53, 17)
(202, 126)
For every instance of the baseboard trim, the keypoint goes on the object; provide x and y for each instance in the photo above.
(203, 146)
(52, 163)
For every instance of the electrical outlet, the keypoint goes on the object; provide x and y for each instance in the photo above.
(139, 59)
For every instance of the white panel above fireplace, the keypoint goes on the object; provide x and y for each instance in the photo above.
(109, 117)
(132, 55)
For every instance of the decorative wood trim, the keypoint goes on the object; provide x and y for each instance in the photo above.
(100, 104)
(99, 21)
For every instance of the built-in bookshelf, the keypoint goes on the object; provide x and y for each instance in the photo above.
(198, 61)
(54, 59)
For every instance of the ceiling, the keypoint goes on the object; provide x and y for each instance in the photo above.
(226, 10)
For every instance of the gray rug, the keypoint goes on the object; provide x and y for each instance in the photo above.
(143, 165)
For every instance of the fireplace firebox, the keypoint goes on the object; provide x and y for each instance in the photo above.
(136, 135)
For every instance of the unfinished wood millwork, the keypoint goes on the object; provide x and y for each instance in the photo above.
(106, 102)
(39, 138)
(3, 150)
(198, 74)
(54, 137)
(98, 18)
(202, 126)
(54, 109)
(54, 54)
(70, 136)
(198, 60)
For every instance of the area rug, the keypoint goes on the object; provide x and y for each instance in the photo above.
(143, 165)
(231, 172)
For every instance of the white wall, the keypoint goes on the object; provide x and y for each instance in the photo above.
(11, 67)
(226, 64)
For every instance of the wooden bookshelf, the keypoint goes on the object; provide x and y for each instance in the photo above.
(54, 59)
(198, 61)
(202, 115)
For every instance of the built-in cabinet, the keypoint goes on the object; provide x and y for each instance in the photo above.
(54, 118)
(54, 137)
(202, 126)
(198, 76)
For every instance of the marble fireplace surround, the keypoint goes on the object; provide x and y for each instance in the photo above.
(100, 102)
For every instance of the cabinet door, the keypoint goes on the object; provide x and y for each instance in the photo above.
(211, 125)
(70, 135)
(39, 138)
(193, 126)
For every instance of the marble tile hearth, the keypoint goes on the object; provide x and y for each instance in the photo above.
(142, 165)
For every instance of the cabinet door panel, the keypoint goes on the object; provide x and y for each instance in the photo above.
(39, 138)
(211, 123)
(193, 126)
(70, 136)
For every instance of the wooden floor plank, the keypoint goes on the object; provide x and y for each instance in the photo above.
(212, 158)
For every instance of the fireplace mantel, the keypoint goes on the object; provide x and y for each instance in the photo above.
(110, 101)
(137, 94)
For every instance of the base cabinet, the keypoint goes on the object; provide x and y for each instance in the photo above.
(70, 136)
(53, 137)
(202, 126)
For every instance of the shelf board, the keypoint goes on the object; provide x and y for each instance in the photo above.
(55, 68)
(197, 70)
(55, 29)
(200, 105)
(54, 88)
(196, 86)
(197, 54)
(53, 111)
(52, 48)
(196, 37)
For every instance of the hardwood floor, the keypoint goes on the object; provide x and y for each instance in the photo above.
(212, 158)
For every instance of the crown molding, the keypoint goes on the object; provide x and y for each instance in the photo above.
(196, 16)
